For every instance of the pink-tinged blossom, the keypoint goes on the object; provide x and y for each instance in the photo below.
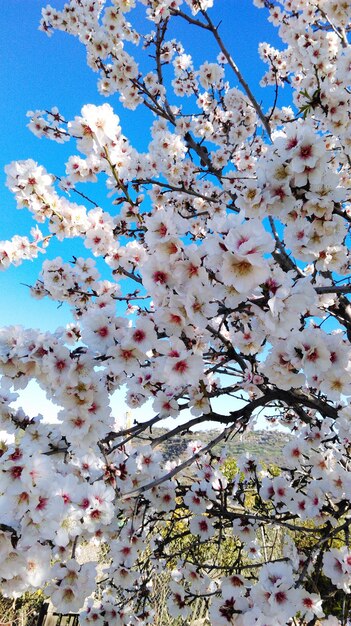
(337, 566)
(311, 605)
(181, 369)
(165, 405)
(202, 527)
(177, 604)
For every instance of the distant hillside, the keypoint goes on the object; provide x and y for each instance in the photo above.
(266, 445)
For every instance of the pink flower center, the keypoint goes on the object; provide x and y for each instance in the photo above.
(139, 335)
(305, 152)
(181, 367)
(103, 332)
(160, 277)
(280, 597)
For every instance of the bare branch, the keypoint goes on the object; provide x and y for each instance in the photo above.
(238, 74)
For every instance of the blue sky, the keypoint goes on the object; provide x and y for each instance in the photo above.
(37, 72)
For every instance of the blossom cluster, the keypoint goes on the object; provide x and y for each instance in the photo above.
(218, 276)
